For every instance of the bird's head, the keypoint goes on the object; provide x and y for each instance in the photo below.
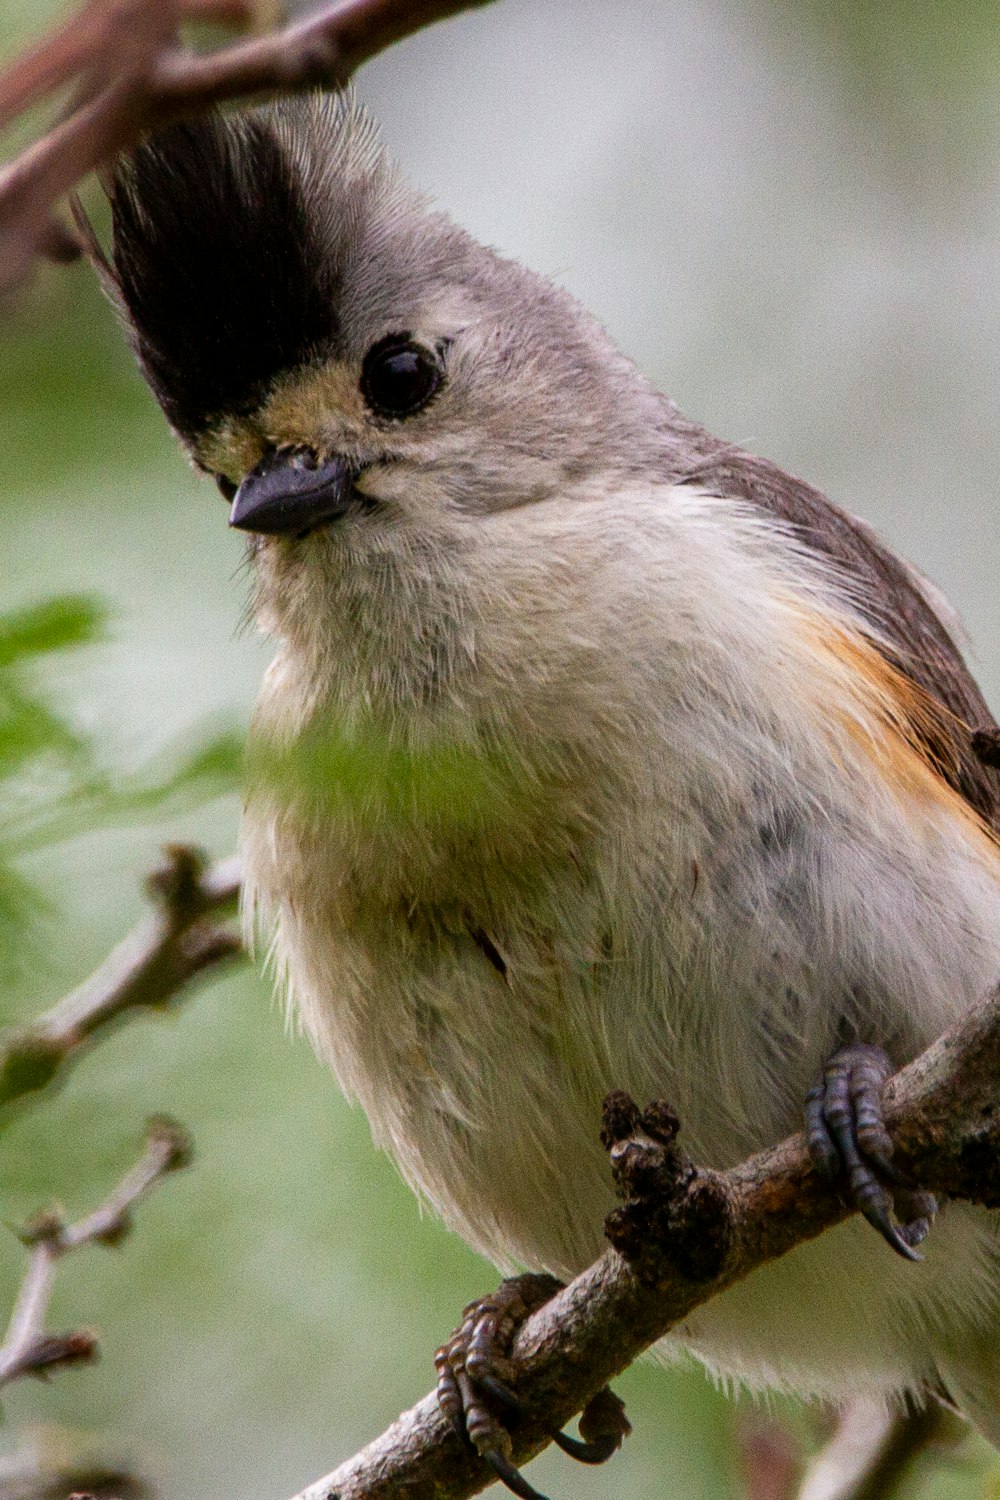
(346, 362)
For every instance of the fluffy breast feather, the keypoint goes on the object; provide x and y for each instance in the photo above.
(736, 842)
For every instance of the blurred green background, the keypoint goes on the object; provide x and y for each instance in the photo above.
(787, 212)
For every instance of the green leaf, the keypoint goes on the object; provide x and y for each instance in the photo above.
(177, 783)
(30, 729)
(53, 625)
(368, 775)
(21, 908)
(52, 783)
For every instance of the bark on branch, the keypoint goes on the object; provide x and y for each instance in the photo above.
(28, 1349)
(132, 74)
(179, 941)
(174, 945)
(944, 1114)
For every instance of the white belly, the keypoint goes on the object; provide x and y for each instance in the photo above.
(692, 899)
(487, 1088)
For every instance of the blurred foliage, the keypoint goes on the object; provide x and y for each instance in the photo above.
(36, 744)
(367, 773)
(900, 47)
(52, 783)
(921, 77)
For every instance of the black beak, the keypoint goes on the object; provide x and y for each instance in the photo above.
(291, 491)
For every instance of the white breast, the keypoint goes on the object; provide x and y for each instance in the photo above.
(694, 859)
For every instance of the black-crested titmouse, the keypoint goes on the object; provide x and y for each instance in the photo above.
(616, 757)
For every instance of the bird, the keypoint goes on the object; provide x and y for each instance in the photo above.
(596, 752)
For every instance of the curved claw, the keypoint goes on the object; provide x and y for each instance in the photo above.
(876, 1211)
(475, 1366)
(510, 1475)
(845, 1132)
(603, 1428)
(869, 1196)
(598, 1451)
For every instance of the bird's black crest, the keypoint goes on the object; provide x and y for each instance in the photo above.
(217, 266)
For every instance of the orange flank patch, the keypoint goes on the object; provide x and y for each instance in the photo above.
(916, 744)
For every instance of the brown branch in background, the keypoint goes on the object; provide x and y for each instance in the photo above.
(872, 1450)
(869, 1452)
(79, 44)
(32, 1472)
(133, 74)
(179, 941)
(27, 1348)
(693, 1233)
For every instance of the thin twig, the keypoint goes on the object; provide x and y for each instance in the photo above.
(944, 1114)
(177, 942)
(32, 1472)
(80, 43)
(135, 75)
(872, 1450)
(27, 1348)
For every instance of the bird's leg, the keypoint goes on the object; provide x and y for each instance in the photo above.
(846, 1133)
(475, 1384)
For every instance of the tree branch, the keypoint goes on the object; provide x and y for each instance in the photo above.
(79, 44)
(873, 1449)
(177, 942)
(944, 1114)
(27, 1348)
(134, 75)
(32, 1472)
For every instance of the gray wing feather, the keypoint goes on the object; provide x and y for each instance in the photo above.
(909, 625)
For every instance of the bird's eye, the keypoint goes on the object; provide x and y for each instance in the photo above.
(226, 486)
(399, 376)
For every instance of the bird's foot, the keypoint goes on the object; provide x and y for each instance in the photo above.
(475, 1384)
(846, 1132)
